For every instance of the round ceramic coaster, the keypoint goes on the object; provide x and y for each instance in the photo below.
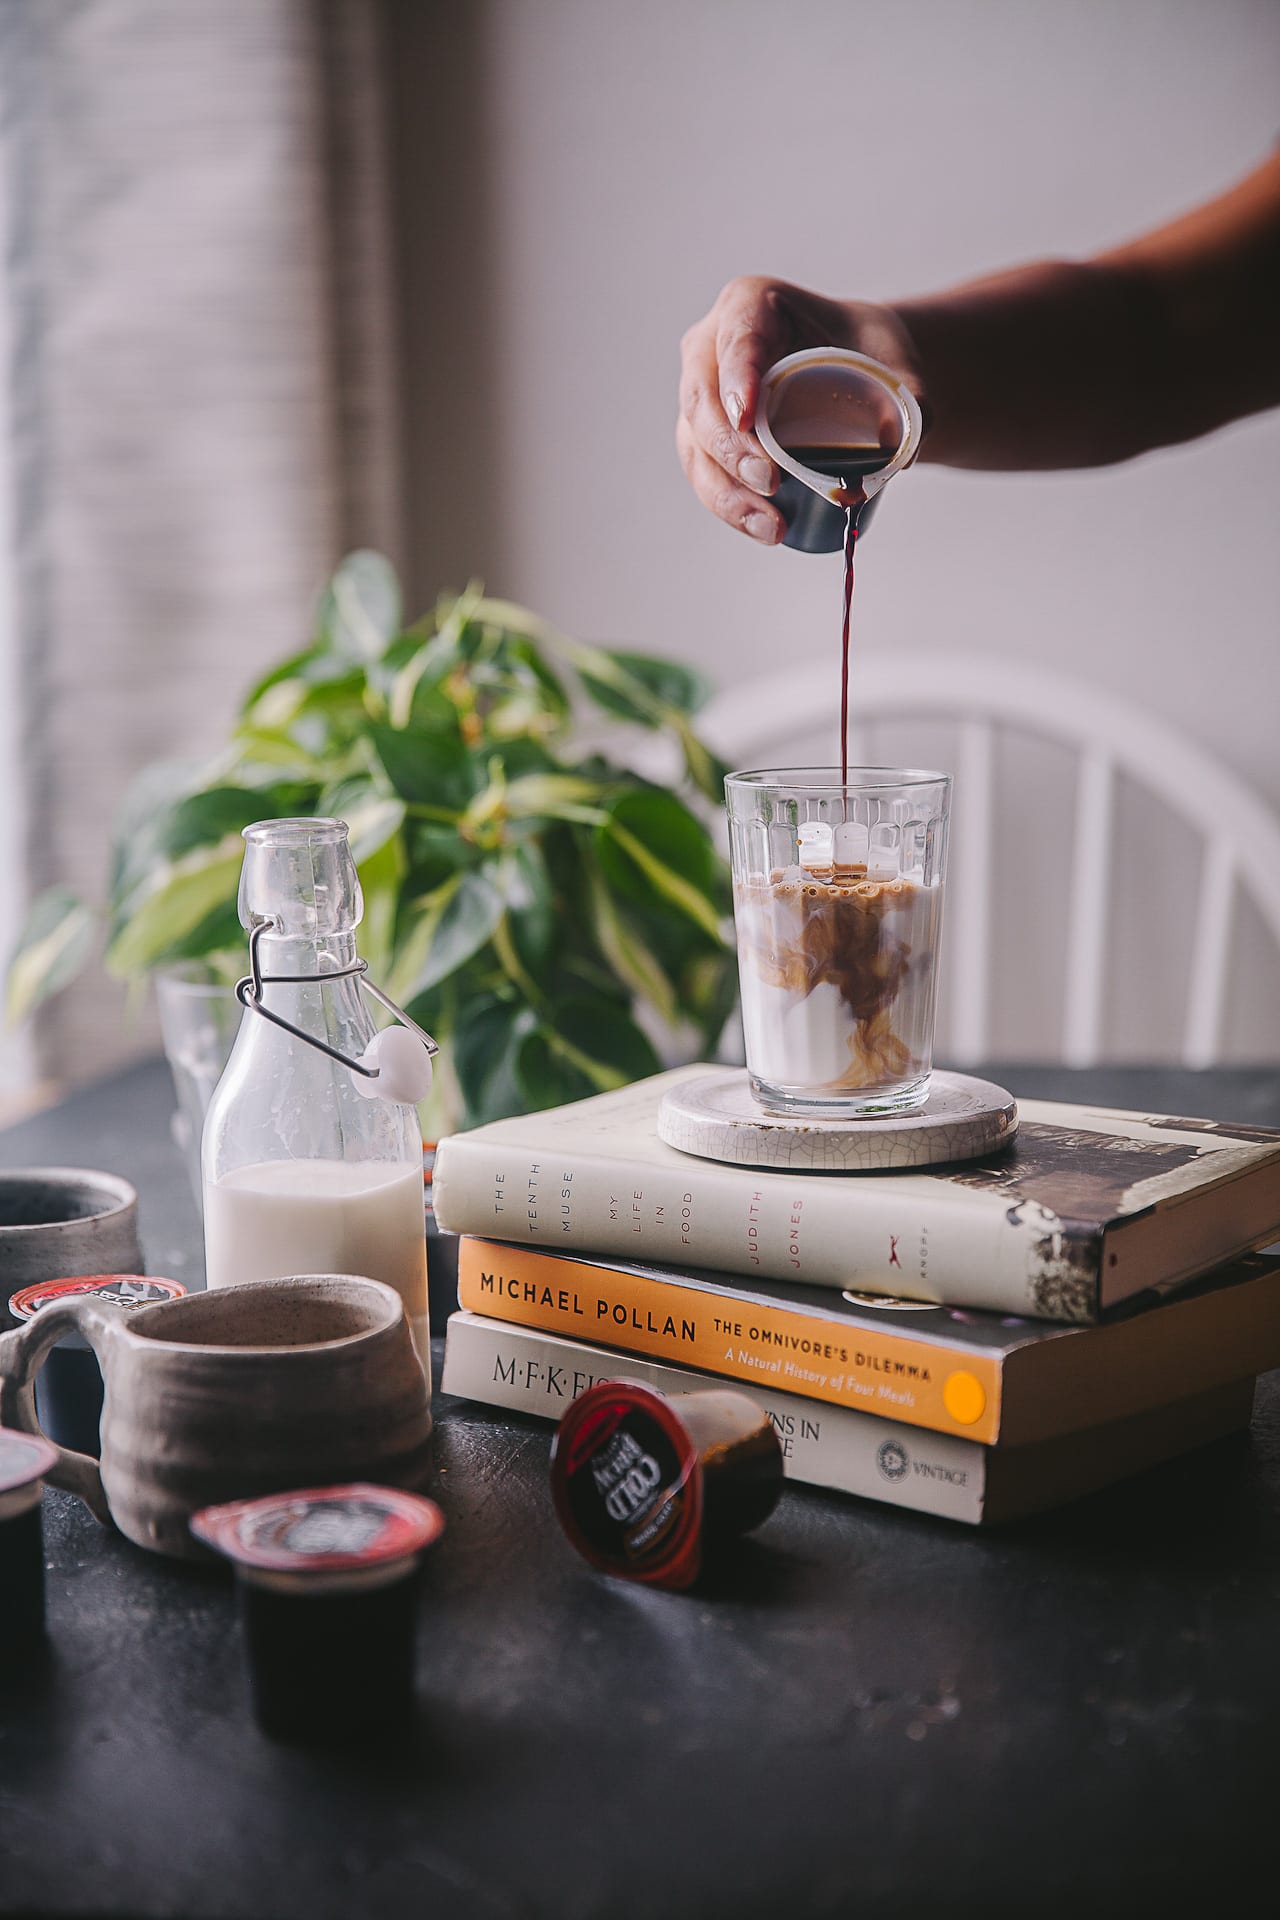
(717, 1118)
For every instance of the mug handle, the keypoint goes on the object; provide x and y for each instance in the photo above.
(21, 1356)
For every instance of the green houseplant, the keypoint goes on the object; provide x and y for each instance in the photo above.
(539, 907)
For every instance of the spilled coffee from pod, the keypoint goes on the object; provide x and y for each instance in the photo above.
(647, 1485)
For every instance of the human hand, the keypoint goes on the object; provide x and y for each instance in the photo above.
(723, 357)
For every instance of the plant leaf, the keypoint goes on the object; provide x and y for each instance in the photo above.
(431, 711)
(180, 895)
(295, 667)
(524, 655)
(359, 611)
(413, 657)
(533, 797)
(56, 941)
(545, 1077)
(415, 932)
(320, 683)
(203, 819)
(218, 938)
(484, 1042)
(455, 923)
(427, 769)
(153, 792)
(372, 818)
(526, 888)
(548, 794)
(519, 758)
(173, 832)
(607, 1036)
(466, 924)
(273, 748)
(435, 853)
(585, 1046)
(637, 686)
(709, 993)
(705, 769)
(652, 845)
(380, 872)
(625, 951)
(508, 614)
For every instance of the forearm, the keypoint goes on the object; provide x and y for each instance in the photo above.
(1052, 365)
(1073, 364)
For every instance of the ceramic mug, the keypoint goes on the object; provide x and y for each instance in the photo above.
(227, 1395)
(60, 1222)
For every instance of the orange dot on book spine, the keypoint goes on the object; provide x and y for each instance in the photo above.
(964, 1398)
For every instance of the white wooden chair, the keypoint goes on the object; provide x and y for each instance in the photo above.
(789, 719)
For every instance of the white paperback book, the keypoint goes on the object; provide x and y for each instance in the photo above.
(519, 1368)
(1084, 1209)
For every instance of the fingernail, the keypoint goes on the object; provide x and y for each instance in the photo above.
(733, 407)
(763, 527)
(756, 473)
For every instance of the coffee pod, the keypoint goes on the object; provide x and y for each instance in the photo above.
(648, 1485)
(24, 1461)
(327, 1580)
(838, 425)
(69, 1385)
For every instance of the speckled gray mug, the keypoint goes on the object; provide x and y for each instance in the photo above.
(301, 1382)
(58, 1223)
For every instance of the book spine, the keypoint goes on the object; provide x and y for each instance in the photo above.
(541, 1373)
(666, 1317)
(908, 1236)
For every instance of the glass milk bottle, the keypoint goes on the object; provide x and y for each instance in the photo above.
(307, 1168)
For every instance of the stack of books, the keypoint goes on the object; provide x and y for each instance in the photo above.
(980, 1341)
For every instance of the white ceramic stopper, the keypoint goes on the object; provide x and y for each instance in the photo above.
(403, 1067)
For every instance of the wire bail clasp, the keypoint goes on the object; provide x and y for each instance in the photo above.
(249, 994)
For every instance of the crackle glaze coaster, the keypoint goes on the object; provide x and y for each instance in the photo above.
(717, 1118)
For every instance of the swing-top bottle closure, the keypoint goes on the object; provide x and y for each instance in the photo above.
(305, 870)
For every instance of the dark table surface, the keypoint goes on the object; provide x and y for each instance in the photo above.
(875, 1712)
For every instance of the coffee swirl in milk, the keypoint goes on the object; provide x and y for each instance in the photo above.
(838, 976)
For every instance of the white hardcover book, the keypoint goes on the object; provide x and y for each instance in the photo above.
(1084, 1209)
(518, 1368)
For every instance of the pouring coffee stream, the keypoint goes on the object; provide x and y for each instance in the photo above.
(839, 425)
(838, 894)
(850, 540)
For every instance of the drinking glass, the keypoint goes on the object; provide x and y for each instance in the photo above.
(199, 1021)
(837, 894)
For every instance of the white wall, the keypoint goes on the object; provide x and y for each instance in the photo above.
(638, 156)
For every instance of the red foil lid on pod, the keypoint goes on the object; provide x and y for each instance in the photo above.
(325, 1532)
(647, 1484)
(118, 1289)
(628, 1485)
